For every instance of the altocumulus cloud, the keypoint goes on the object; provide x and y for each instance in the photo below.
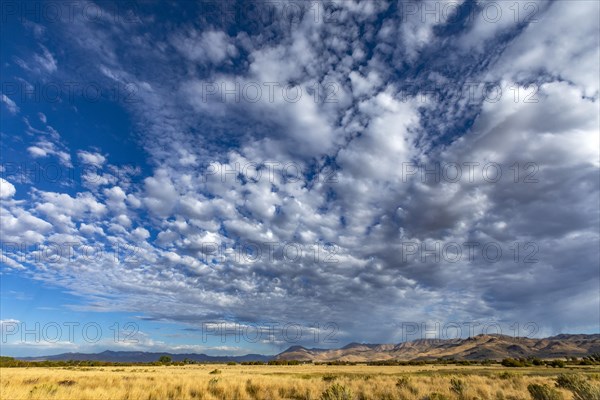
(340, 131)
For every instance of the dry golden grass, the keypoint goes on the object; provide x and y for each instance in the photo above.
(272, 382)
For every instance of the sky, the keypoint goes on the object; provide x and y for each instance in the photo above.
(242, 177)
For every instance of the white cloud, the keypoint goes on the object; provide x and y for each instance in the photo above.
(91, 158)
(20, 226)
(62, 209)
(364, 85)
(7, 190)
(45, 148)
(90, 229)
(210, 46)
(418, 22)
(124, 220)
(550, 46)
(10, 104)
(141, 233)
(161, 195)
(46, 60)
(42, 63)
(492, 19)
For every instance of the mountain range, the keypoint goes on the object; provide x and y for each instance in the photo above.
(494, 347)
(480, 347)
(145, 357)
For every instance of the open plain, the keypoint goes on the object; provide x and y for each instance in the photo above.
(218, 381)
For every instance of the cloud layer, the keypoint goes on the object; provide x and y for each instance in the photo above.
(366, 165)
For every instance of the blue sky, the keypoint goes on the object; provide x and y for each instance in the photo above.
(240, 177)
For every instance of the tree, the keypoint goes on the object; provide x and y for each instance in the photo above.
(165, 359)
(511, 362)
(557, 363)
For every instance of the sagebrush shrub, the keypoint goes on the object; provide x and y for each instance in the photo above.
(403, 382)
(337, 392)
(543, 392)
(251, 388)
(581, 388)
(458, 386)
(436, 396)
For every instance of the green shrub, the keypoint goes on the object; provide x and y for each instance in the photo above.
(569, 381)
(510, 362)
(557, 363)
(436, 396)
(514, 363)
(543, 392)
(252, 388)
(581, 388)
(403, 382)
(458, 386)
(165, 360)
(507, 375)
(215, 389)
(337, 392)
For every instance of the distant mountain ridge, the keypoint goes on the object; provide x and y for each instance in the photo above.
(144, 357)
(495, 347)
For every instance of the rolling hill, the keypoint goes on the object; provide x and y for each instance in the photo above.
(480, 347)
(474, 348)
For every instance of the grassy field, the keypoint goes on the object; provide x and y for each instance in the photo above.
(282, 382)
